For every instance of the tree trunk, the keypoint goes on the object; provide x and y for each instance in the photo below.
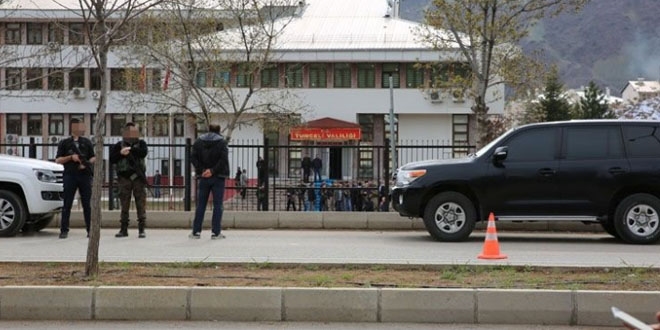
(481, 113)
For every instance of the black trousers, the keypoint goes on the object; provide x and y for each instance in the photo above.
(81, 182)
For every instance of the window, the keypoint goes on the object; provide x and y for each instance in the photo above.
(179, 123)
(270, 77)
(118, 80)
(76, 34)
(342, 75)
(460, 136)
(94, 79)
(117, 122)
(76, 78)
(593, 143)
(366, 163)
(295, 157)
(14, 124)
(34, 124)
(414, 76)
(13, 33)
(92, 123)
(391, 69)
(533, 145)
(367, 127)
(366, 75)
(34, 34)
(13, 79)
(450, 74)
(318, 76)
(161, 125)
(55, 79)
(200, 78)
(294, 75)
(55, 33)
(642, 141)
(140, 121)
(156, 80)
(221, 79)
(56, 124)
(35, 79)
(243, 77)
(165, 167)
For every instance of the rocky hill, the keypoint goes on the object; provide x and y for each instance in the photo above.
(609, 41)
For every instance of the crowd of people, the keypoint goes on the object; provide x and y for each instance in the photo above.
(339, 196)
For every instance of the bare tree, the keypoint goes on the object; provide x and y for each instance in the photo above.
(486, 34)
(213, 53)
(104, 21)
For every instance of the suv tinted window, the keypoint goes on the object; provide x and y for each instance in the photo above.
(533, 145)
(593, 143)
(642, 141)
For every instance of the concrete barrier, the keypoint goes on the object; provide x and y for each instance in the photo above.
(530, 306)
(330, 305)
(313, 220)
(236, 304)
(427, 305)
(141, 303)
(46, 303)
(482, 306)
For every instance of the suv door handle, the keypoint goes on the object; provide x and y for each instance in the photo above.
(547, 172)
(616, 170)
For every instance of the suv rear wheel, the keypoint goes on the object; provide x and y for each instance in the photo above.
(12, 213)
(450, 216)
(637, 219)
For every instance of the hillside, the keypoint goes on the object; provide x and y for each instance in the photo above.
(609, 41)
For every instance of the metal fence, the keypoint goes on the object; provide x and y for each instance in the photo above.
(353, 178)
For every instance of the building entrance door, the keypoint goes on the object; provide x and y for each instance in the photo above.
(335, 163)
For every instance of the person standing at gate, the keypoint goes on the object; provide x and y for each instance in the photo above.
(128, 155)
(306, 165)
(157, 180)
(243, 184)
(261, 171)
(210, 157)
(317, 164)
(76, 153)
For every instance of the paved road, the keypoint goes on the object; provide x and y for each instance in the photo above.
(57, 325)
(316, 246)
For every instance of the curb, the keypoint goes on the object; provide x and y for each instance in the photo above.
(315, 220)
(468, 306)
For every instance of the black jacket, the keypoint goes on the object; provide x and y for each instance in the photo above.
(85, 150)
(210, 152)
(131, 163)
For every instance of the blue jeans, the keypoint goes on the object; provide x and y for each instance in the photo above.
(83, 183)
(207, 186)
(317, 174)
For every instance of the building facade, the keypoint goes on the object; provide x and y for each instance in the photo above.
(335, 55)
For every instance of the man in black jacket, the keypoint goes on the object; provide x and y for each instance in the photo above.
(76, 153)
(210, 156)
(128, 155)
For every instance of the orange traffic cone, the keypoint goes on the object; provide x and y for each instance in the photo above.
(491, 245)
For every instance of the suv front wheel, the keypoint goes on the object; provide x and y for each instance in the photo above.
(450, 216)
(12, 213)
(637, 219)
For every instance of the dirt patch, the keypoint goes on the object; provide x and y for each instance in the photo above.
(267, 274)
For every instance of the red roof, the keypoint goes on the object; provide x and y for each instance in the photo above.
(328, 122)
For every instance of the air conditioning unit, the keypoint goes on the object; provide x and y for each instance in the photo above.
(54, 139)
(95, 95)
(79, 92)
(11, 139)
(458, 96)
(53, 46)
(434, 95)
(12, 151)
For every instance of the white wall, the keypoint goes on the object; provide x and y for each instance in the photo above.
(425, 128)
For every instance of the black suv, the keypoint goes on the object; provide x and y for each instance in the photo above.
(605, 171)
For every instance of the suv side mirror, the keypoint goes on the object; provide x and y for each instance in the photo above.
(500, 154)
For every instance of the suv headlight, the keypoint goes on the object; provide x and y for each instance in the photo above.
(406, 177)
(45, 175)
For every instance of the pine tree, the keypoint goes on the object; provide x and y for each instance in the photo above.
(554, 105)
(593, 105)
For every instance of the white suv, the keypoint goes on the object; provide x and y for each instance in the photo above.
(31, 193)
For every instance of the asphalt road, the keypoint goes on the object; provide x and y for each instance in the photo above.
(323, 246)
(120, 325)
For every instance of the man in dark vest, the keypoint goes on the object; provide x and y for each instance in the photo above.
(128, 156)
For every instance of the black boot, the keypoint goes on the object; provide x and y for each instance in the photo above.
(141, 233)
(123, 231)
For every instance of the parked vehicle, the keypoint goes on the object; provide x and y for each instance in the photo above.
(605, 171)
(30, 194)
